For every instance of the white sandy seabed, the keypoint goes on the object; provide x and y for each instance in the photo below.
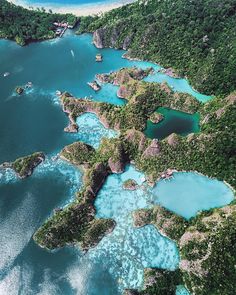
(78, 10)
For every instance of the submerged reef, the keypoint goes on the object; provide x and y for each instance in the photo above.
(24, 166)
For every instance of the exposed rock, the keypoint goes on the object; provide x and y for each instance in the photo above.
(136, 138)
(123, 92)
(116, 166)
(118, 160)
(152, 150)
(98, 38)
(172, 139)
(206, 119)
(127, 42)
(6, 165)
(94, 85)
(142, 217)
(220, 112)
(71, 128)
(99, 57)
(104, 78)
(170, 72)
(19, 90)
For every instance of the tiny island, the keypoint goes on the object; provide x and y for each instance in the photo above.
(24, 166)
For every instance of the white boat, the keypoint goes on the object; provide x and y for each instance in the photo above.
(6, 74)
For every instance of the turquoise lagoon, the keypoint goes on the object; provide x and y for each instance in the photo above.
(35, 121)
(174, 122)
(189, 192)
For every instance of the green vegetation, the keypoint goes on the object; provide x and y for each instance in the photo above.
(168, 223)
(156, 117)
(78, 153)
(25, 166)
(130, 184)
(23, 25)
(195, 38)
(166, 282)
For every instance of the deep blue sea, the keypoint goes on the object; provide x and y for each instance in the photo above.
(33, 122)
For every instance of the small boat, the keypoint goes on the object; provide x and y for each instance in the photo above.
(6, 74)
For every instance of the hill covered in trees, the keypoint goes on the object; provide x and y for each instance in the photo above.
(197, 38)
(23, 25)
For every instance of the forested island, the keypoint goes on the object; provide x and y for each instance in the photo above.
(24, 26)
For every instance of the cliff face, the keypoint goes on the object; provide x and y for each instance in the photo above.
(104, 37)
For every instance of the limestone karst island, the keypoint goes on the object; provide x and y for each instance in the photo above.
(117, 147)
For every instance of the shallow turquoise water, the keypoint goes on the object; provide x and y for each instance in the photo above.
(91, 130)
(180, 85)
(181, 291)
(174, 122)
(188, 193)
(128, 249)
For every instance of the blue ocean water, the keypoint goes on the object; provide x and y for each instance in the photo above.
(34, 121)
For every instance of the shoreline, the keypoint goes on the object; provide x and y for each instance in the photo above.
(77, 10)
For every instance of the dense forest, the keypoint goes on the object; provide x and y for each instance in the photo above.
(23, 25)
(197, 38)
